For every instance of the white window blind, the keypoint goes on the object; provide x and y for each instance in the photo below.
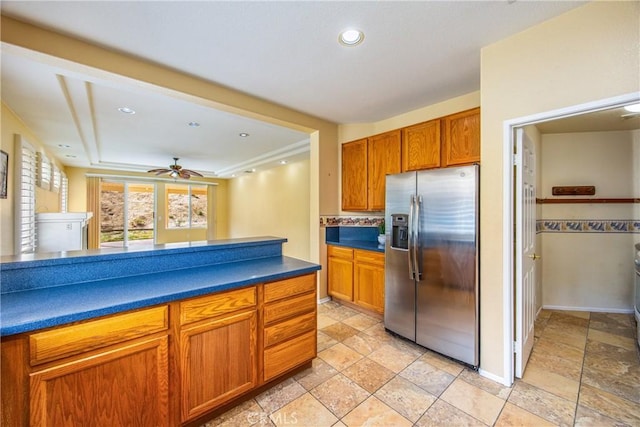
(56, 179)
(43, 171)
(26, 197)
(64, 192)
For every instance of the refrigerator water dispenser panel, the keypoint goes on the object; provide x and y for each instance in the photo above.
(399, 231)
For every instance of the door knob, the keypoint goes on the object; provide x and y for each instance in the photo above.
(534, 256)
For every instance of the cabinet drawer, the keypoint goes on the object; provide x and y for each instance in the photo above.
(340, 252)
(70, 340)
(216, 305)
(289, 354)
(289, 308)
(289, 287)
(289, 328)
(369, 256)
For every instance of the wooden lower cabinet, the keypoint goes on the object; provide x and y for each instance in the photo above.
(124, 386)
(368, 280)
(340, 272)
(290, 323)
(218, 362)
(143, 368)
(357, 276)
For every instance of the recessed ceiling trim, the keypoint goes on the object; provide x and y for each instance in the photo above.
(145, 179)
(74, 115)
(271, 157)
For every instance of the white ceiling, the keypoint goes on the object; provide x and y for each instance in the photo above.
(414, 54)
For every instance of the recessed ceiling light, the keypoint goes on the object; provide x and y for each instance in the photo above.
(194, 124)
(71, 156)
(283, 162)
(351, 37)
(243, 134)
(127, 110)
(64, 146)
(633, 108)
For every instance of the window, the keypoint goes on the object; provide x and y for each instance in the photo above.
(186, 206)
(25, 227)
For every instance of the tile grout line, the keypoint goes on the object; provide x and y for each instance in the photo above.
(584, 358)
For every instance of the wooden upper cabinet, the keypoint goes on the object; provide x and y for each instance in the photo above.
(421, 146)
(354, 175)
(383, 158)
(462, 138)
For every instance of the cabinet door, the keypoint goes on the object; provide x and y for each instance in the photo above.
(421, 146)
(340, 278)
(354, 175)
(218, 361)
(383, 158)
(462, 138)
(125, 386)
(368, 271)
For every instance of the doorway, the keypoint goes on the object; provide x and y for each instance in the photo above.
(514, 260)
(127, 214)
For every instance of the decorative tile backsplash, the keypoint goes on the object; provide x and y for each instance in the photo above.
(542, 225)
(588, 226)
(362, 221)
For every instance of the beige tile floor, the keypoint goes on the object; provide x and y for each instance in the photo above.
(584, 370)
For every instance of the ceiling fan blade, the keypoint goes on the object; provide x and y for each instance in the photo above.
(191, 172)
(184, 174)
(161, 170)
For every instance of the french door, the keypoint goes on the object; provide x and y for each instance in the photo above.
(127, 214)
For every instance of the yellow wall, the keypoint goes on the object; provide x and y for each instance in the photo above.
(46, 201)
(587, 271)
(587, 54)
(350, 132)
(274, 202)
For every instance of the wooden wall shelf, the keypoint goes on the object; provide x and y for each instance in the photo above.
(572, 200)
(575, 190)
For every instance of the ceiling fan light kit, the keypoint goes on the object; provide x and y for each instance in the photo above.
(176, 171)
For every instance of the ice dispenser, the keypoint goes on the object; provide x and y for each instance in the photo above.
(400, 231)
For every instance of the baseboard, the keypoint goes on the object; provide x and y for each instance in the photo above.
(494, 377)
(593, 309)
(323, 300)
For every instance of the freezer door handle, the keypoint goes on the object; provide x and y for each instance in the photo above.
(412, 200)
(417, 271)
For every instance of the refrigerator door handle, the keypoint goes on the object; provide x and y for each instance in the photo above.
(417, 271)
(412, 201)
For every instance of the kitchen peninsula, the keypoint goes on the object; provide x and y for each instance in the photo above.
(151, 337)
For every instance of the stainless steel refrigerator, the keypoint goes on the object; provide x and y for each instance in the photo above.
(431, 260)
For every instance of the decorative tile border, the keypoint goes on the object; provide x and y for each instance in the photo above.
(358, 221)
(588, 226)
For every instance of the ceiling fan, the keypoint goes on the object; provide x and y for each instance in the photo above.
(175, 171)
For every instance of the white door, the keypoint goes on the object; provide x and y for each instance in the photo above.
(525, 249)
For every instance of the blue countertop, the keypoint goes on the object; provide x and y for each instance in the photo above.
(354, 237)
(36, 307)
